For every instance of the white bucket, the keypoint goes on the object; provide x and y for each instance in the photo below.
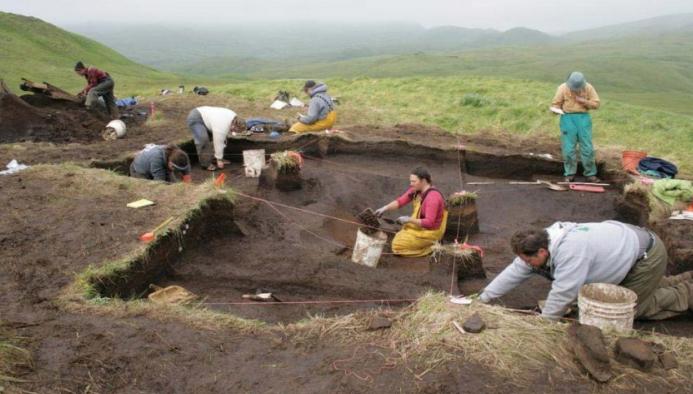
(119, 127)
(607, 306)
(368, 248)
(253, 160)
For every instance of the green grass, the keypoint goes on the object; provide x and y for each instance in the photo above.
(645, 88)
(485, 104)
(39, 51)
(651, 71)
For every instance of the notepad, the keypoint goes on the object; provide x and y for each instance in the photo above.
(140, 203)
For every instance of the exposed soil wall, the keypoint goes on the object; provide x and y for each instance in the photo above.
(213, 219)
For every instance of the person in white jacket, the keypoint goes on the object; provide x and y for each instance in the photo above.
(217, 122)
(574, 254)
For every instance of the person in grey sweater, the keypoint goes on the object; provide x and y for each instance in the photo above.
(161, 163)
(574, 254)
(321, 113)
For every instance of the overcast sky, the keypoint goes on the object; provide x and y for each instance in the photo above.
(546, 15)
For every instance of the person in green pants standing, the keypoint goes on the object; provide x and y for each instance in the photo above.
(575, 98)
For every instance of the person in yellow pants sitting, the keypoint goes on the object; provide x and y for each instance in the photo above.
(321, 113)
(426, 225)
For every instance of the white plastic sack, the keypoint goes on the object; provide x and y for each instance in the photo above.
(296, 102)
(13, 167)
(278, 104)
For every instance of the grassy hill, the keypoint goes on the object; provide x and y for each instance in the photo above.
(175, 48)
(646, 27)
(39, 51)
(487, 105)
(654, 72)
(506, 89)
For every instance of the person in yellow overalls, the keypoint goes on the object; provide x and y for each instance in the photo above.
(321, 113)
(426, 225)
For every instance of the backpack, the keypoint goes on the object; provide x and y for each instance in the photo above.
(200, 90)
(653, 165)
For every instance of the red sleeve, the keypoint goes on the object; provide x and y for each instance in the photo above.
(94, 75)
(405, 198)
(432, 209)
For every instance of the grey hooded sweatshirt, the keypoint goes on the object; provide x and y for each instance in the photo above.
(151, 162)
(579, 253)
(320, 105)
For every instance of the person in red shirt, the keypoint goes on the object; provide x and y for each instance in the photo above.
(427, 223)
(99, 84)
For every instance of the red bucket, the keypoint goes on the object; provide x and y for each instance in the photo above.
(630, 160)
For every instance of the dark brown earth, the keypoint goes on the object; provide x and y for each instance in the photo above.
(44, 247)
(588, 345)
(283, 247)
(635, 352)
(35, 118)
(678, 238)
(61, 221)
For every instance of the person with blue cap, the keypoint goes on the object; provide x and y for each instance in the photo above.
(575, 98)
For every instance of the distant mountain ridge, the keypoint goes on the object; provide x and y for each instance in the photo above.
(677, 23)
(185, 48)
(171, 47)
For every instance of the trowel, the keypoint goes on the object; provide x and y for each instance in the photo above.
(553, 186)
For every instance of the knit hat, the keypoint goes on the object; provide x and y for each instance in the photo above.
(309, 84)
(576, 81)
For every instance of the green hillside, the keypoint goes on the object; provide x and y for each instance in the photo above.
(488, 105)
(39, 51)
(646, 27)
(654, 72)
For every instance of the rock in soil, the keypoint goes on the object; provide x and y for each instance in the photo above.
(379, 323)
(474, 324)
(589, 347)
(668, 361)
(636, 353)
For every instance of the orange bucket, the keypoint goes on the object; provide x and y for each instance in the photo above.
(630, 160)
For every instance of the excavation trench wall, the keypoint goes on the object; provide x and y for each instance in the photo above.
(471, 161)
(133, 281)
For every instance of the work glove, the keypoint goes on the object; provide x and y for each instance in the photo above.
(403, 219)
(380, 211)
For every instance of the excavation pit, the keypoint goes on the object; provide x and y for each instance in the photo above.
(297, 244)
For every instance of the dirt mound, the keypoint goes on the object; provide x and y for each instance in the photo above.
(633, 207)
(676, 235)
(22, 122)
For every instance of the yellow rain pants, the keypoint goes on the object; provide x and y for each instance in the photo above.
(320, 125)
(415, 241)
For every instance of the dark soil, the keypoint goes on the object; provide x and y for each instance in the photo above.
(589, 347)
(635, 352)
(52, 121)
(678, 238)
(302, 257)
(50, 234)
(633, 207)
(43, 248)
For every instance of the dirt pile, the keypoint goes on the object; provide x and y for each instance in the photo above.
(53, 121)
(589, 346)
(676, 235)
